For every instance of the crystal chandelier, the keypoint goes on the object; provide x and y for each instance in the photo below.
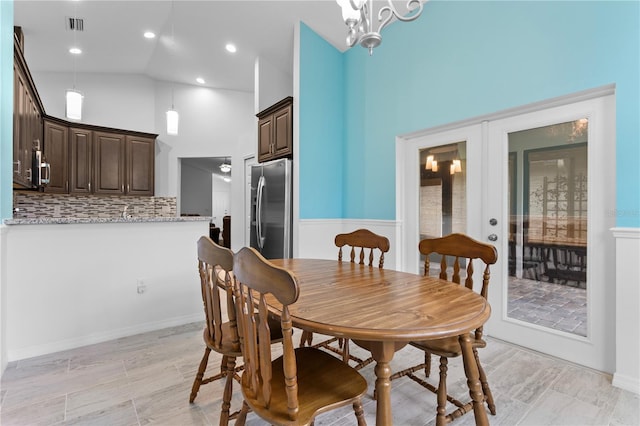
(357, 16)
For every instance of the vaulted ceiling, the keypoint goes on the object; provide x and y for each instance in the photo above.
(190, 37)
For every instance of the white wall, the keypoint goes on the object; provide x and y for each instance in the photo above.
(213, 123)
(73, 285)
(123, 101)
(271, 85)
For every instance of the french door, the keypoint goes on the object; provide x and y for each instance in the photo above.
(539, 184)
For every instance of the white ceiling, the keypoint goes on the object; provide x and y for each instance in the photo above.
(190, 41)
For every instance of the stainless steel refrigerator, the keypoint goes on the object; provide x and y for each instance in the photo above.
(271, 208)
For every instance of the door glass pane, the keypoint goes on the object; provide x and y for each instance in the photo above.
(443, 188)
(548, 229)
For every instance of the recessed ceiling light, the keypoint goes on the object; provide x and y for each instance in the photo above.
(149, 34)
(231, 48)
(75, 51)
(200, 80)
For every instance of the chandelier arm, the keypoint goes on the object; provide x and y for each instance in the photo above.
(415, 9)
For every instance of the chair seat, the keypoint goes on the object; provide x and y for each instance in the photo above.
(323, 380)
(226, 346)
(448, 347)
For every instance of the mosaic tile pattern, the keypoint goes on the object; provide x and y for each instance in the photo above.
(34, 205)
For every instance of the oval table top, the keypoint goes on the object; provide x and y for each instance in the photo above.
(345, 299)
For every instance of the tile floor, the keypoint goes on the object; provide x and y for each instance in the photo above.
(146, 379)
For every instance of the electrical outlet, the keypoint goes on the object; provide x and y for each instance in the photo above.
(142, 287)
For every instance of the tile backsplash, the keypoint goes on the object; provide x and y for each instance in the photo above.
(31, 205)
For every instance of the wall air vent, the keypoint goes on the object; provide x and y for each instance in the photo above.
(75, 24)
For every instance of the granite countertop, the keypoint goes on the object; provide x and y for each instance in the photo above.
(73, 220)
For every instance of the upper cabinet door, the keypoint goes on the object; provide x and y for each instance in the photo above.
(81, 167)
(140, 165)
(109, 154)
(56, 153)
(265, 129)
(282, 132)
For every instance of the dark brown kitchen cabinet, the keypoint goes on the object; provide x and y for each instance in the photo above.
(109, 163)
(140, 156)
(275, 131)
(84, 159)
(56, 153)
(81, 160)
(27, 118)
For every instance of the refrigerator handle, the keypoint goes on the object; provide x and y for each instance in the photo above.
(261, 183)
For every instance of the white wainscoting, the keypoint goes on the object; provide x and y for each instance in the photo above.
(316, 237)
(75, 285)
(627, 288)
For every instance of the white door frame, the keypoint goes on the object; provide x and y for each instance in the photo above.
(595, 350)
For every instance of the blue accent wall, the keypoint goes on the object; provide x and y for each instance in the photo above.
(464, 59)
(321, 122)
(6, 108)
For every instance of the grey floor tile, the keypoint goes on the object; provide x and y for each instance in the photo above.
(146, 379)
(123, 414)
(42, 412)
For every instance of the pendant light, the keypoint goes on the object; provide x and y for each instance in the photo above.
(172, 119)
(73, 104)
(172, 115)
(73, 97)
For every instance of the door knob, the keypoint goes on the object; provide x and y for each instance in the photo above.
(493, 221)
(493, 237)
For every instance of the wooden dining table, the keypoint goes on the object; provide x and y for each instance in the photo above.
(389, 309)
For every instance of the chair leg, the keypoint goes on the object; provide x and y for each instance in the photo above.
(242, 417)
(357, 408)
(441, 416)
(306, 338)
(488, 396)
(427, 364)
(344, 344)
(198, 380)
(228, 391)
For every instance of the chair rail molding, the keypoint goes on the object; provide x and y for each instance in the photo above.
(627, 371)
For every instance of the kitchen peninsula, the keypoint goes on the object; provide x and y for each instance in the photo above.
(94, 274)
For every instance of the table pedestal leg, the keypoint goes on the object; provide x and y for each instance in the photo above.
(473, 380)
(383, 352)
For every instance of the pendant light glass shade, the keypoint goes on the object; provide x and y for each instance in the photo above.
(172, 122)
(73, 108)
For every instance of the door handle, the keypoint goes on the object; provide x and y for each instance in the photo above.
(493, 237)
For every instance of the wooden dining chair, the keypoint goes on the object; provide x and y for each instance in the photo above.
(363, 244)
(215, 265)
(301, 383)
(457, 253)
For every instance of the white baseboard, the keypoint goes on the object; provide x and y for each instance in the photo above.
(627, 383)
(105, 336)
